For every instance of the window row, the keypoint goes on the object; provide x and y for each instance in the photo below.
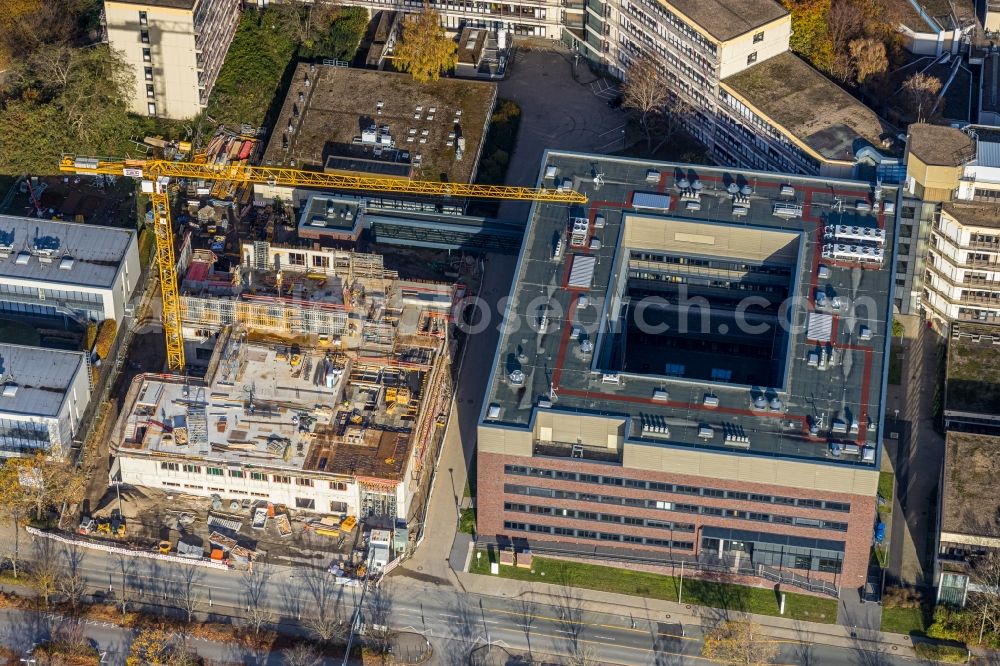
(668, 506)
(254, 476)
(638, 484)
(598, 536)
(601, 517)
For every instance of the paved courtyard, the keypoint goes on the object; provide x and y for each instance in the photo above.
(558, 111)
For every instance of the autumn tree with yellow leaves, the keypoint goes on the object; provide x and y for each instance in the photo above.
(424, 50)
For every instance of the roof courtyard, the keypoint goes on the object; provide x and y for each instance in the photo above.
(383, 123)
(973, 372)
(715, 309)
(969, 504)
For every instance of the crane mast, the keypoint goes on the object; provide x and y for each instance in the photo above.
(159, 172)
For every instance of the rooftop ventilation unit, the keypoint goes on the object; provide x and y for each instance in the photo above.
(22, 258)
(787, 210)
(787, 191)
(66, 263)
(516, 378)
(733, 188)
(9, 390)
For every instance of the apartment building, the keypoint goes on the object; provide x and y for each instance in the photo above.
(741, 435)
(82, 272)
(753, 103)
(175, 49)
(951, 204)
(524, 18)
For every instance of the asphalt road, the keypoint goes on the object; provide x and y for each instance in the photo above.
(442, 614)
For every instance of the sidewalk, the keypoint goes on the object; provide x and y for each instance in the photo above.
(656, 610)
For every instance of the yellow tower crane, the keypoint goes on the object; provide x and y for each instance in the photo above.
(159, 172)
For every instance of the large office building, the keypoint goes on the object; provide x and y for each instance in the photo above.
(43, 396)
(175, 49)
(83, 272)
(950, 226)
(692, 369)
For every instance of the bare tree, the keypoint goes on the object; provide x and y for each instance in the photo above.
(986, 602)
(124, 592)
(72, 583)
(583, 655)
(45, 570)
(303, 654)
(868, 58)
(378, 636)
(257, 615)
(646, 91)
(189, 593)
(920, 91)
(302, 20)
(526, 614)
(739, 642)
(324, 619)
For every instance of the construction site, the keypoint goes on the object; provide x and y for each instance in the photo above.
(324, 395)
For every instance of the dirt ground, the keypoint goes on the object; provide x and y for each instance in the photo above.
(153, 515)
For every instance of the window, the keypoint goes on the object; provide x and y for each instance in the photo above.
(338, 485)
(147, 55)
(236, 473)
(169, 466)
(149, 90)
(303, 503)
(296, 259)
(258, 476)
(338, 507)
(752, 58)
(837, 506)
(192, 469)
(277, 478)
(686, 490)
(149, 73)
(758, 37)
(810, 504)
(214, 471)
(713, 492)
(144, 36)
(151, 108)
(143, 18)
(304, 482)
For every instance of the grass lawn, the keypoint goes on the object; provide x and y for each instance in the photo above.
(467, 523)
(16, 333)
(895, 365)
(656, 586)
(909, 621)
(885, 487)
(949, 654)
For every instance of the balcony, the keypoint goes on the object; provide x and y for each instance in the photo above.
(582, 452)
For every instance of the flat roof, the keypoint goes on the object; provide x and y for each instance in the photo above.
(940, 145)
(972, 381)
(978, 214)
(970, 503)
(726, 19)
(848, 386)
(42, 377)
(340, 102)
(40, 250)
(814, 109)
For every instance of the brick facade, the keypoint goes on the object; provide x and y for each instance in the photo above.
(491, 513)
